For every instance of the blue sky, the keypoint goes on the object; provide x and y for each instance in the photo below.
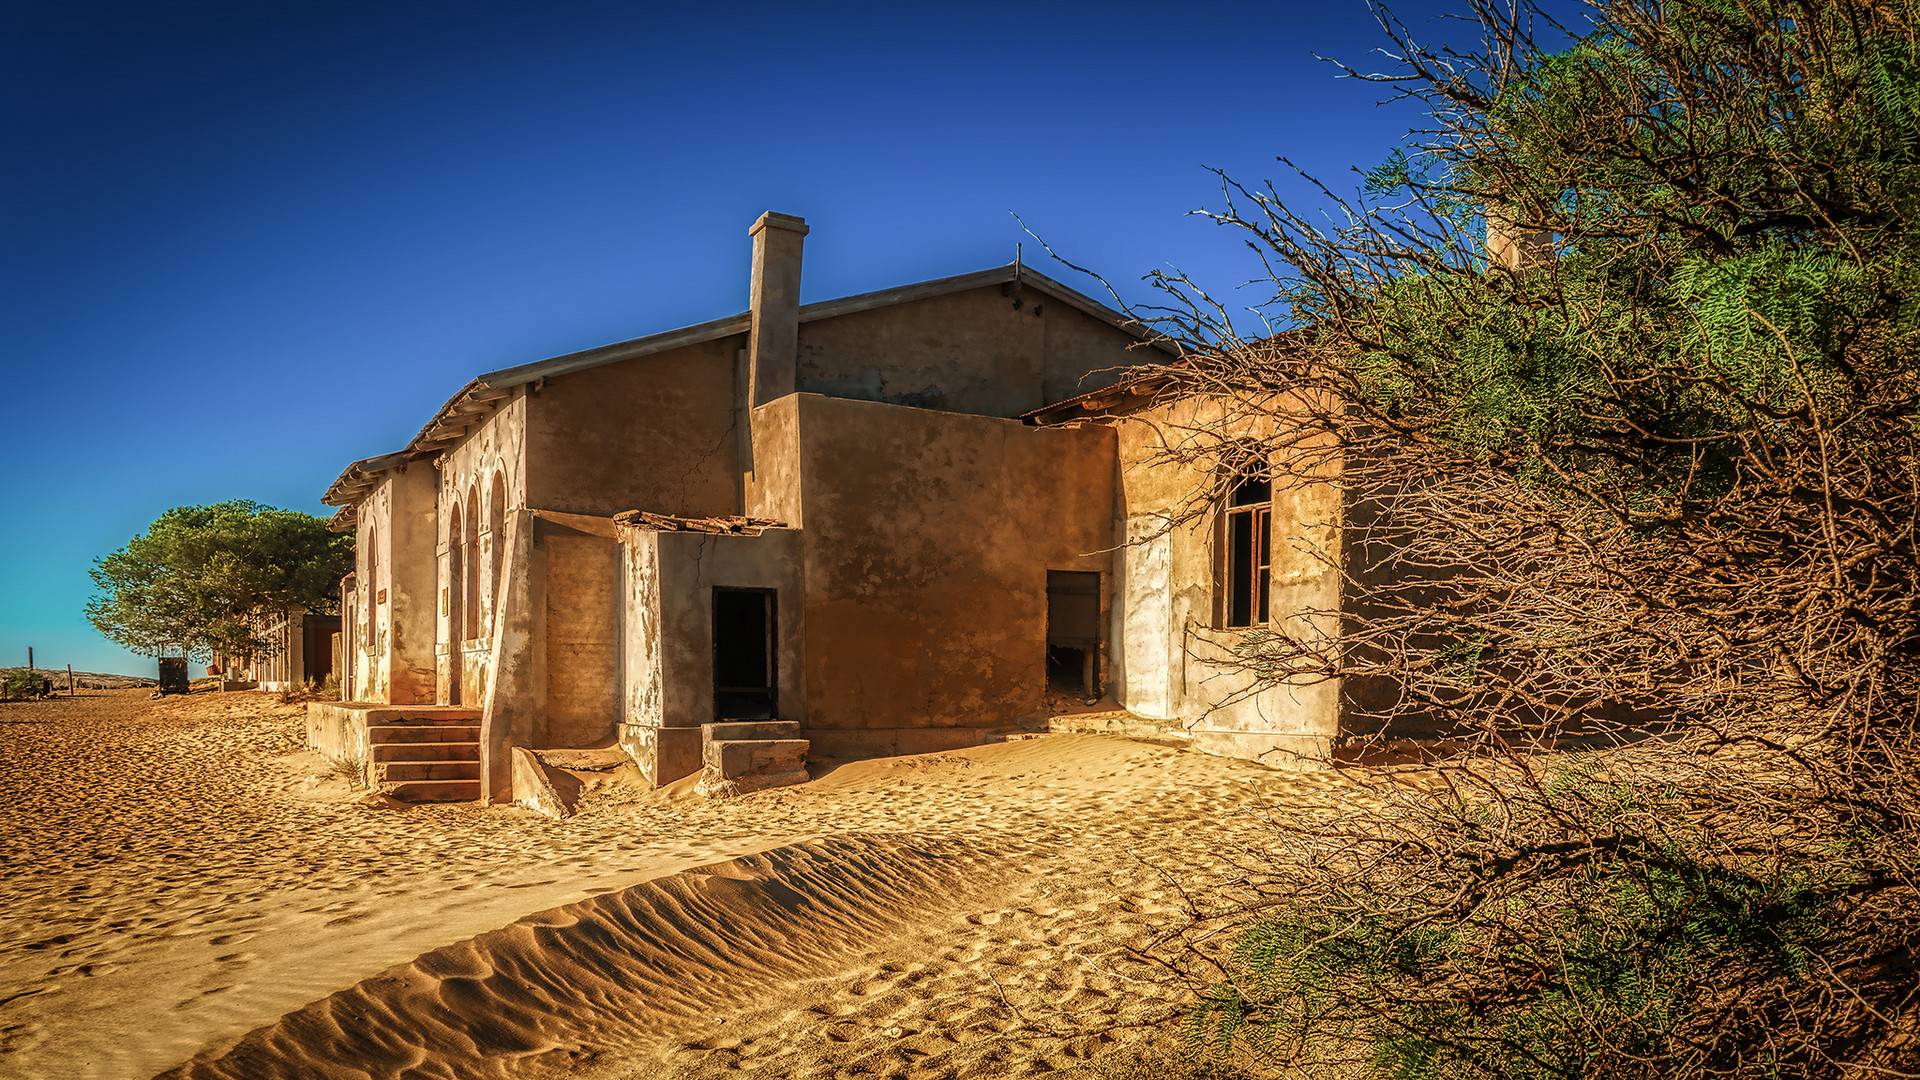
(245, 243)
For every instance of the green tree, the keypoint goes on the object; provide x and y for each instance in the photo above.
(1654, 469)
(202, 578)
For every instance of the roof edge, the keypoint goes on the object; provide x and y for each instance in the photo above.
(453, 419)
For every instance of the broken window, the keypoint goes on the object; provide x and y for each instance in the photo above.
(1246, 541)
(744, 655)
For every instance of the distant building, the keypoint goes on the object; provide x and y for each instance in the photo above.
(895, 519)
(301, 651)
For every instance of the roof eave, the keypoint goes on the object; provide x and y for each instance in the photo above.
(478, 398)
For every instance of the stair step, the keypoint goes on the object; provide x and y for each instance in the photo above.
(440, 714)
(423, 733)
(433, 790)
(747, 730)
(426, 751)
(396, 771)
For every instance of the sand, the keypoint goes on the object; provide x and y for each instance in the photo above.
(189, 892)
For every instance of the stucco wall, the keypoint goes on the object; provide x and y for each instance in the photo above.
(668, 651)
(970, 352)
(928, 539)
(497, 447)
(1082, 353)
(655, 433)
(1170, 657)
(583, 635)
(772, 490)
(394, 577)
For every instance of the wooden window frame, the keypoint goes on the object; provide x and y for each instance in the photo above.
(1244, 567)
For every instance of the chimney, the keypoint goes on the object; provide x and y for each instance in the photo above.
(773, 349)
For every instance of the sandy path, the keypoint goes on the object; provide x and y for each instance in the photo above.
(170, 886)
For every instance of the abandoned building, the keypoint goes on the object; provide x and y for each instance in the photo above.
(889, 523)
(301, 649)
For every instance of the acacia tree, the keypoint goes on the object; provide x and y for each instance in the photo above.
(1652, 468)
(202, 578)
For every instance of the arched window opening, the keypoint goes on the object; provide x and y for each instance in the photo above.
(1246, 541)
(373, 581)
(497, 525)
(456, 574)
(470, 586)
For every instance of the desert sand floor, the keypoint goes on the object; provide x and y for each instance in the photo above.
(188, 891)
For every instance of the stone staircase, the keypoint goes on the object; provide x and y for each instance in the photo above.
(429, 756)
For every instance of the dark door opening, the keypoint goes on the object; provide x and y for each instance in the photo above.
(744, 655)
(1073, 632)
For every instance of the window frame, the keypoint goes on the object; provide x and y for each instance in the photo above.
(1243, 564)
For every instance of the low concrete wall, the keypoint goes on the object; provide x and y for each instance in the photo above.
(532, 788)
(1291, 753)
(338, 730)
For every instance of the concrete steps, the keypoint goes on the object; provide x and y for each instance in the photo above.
(433, 790)
(427, 758)
(430, 751)
(743, 756)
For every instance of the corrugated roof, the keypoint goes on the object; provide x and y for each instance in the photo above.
(733, 525)
(1131, 392)
(478, 398)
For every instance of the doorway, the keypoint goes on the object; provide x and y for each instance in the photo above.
(745, 655)
(1073, 633)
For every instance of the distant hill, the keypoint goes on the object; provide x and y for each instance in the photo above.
(88, 680)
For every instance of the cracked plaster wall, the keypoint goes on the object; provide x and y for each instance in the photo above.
(1169, 650)
(968, 352)
(653, 433)
(928, 539)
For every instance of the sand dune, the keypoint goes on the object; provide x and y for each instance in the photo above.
(184, 884)
(555, 987)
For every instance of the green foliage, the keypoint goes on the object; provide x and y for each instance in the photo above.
(20, 683)
(202, 577)
(1645, 469)
(1594, 969)
(1731, 198)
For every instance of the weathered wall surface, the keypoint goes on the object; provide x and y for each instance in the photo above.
(496, 449)
(1170, 650)
(654, 433)
(1083, 354)
(669, 580)
(583, 635)
(394, 576)
(970, 352)
(644, 683)
(772, 489)
(928, 540)
(515, 699)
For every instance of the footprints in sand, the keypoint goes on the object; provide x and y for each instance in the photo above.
(198, 851)
(86, 971)
(978, 998)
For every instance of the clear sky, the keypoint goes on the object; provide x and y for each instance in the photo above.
(245, 243)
